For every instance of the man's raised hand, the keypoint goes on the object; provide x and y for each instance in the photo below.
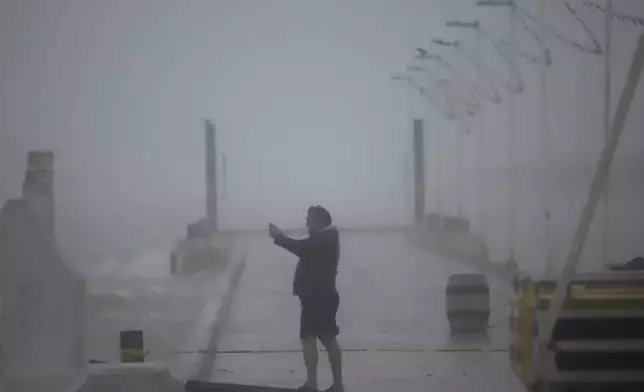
(274, 231)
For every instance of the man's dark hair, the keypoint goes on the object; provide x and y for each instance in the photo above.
(320, 214)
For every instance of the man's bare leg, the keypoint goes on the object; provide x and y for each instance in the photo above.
(335, 359)
(310, 351)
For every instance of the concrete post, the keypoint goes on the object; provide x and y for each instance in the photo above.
(419, 172)
(38, 189)
(211, 176)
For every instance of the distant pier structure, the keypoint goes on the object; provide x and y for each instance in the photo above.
(204, 245)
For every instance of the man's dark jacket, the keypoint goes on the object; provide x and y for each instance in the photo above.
(318, 265)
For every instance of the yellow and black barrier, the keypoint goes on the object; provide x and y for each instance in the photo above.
(131, 347)
(522, 329)
(598, 337)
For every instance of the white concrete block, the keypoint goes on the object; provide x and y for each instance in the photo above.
(130, 378)
(41, 382)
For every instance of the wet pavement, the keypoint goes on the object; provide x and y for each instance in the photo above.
(175, 313)
(392, 318)
(167, 310)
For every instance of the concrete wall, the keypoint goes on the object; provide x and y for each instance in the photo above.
(41, 327)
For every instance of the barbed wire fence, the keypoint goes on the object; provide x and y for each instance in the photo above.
(462, 99)
(634, 20)
(506, 49)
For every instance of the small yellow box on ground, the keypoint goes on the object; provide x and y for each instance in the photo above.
(131, 345)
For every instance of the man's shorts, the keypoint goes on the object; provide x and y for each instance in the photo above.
(318, 314)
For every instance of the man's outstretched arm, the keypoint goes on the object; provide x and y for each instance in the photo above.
(297, 247)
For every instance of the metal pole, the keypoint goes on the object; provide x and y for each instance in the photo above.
(407, 186)
(512, 131)
(459, 146)
(437, 168)
(211, 176)
(480, 155)
(606, 251)
(459, 173)
(413, 124)
(410, 118)
(224, 170)
(410, 121)
(545, 149)
(419, 172)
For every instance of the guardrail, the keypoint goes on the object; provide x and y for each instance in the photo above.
(456, 224)
(451, 235)
(434, 222)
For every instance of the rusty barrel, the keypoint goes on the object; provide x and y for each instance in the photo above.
(467, 298)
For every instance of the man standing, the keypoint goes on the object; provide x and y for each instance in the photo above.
(314, 284)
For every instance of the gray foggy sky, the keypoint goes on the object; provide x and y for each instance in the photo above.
(300, 94)
(119, 90)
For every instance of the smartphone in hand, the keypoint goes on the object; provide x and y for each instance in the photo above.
(273, 230)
